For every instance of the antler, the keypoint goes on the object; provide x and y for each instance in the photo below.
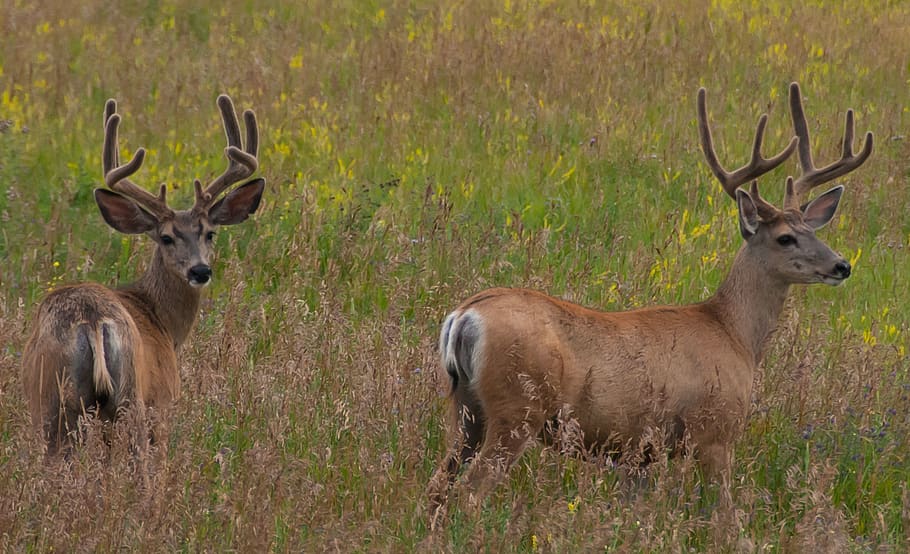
(756, 167)
(812, 176)
(766, 210)
(115, 175)
(242, 160)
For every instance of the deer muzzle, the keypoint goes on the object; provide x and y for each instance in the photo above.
(199, 275)
(839, 272)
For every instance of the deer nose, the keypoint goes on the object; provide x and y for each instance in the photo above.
(842, 268)
(199, 275)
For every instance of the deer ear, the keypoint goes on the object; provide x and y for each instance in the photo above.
(819, 212)
(123, 214)
(748, 214)
(238, 204)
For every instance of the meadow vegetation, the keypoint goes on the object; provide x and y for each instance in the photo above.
(417, 152)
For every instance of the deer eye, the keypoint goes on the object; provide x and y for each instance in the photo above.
(167, 239)
(210, 236)
(786, 240)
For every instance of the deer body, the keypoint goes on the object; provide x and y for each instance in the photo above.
(518, 359)
(94, 346)
(99, 349)
(617, 373)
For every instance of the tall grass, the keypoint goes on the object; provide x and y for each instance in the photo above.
(415, 153)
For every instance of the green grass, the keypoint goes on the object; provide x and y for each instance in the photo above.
(542, 144)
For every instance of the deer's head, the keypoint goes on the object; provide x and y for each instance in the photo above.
(784, 239)
(184, 237)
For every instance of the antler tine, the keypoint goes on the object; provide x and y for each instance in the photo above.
(812, 176)
(229, 117)
(116, 175)
(242, 161)
(765, 209)
(252, 133)
(112, 158)
(756, 167)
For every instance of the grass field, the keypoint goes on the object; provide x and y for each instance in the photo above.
(417, 152)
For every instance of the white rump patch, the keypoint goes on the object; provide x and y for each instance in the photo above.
(444, 336)
(462, 333)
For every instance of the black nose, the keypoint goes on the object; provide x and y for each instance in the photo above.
(200, 274)
(842, 268)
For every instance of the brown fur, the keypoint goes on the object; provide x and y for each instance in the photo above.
(518, 359)
(145, 369)
(100, 350)
(621, 375)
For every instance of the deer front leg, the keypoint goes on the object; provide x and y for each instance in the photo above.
(716, 461)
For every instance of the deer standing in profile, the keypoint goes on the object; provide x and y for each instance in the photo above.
(99, 349)
(518, 359)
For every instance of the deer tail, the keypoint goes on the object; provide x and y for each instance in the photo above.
(98, 346)
(460, 343)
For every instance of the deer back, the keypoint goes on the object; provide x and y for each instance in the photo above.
(619, 371)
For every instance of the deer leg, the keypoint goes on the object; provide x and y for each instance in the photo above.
(516, 408)
(503, 444)
(61, 431)
(716, 461)
(470, 433)
(726, 520)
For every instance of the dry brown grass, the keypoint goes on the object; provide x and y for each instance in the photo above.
(538, 144)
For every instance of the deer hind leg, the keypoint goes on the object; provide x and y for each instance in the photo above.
(469, 425)
(517, 403)
(62, 425)
(64, 408)
(505, 441)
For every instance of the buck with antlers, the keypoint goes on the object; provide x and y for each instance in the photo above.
(517, 359)
(97, 349)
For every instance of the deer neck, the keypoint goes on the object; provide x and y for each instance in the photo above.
(749, 303)
(170, 297)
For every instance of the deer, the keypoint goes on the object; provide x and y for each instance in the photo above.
(518, 360)
(97, 350)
